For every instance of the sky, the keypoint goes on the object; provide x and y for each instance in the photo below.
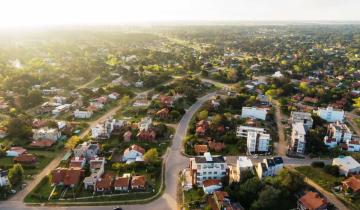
(15, 13)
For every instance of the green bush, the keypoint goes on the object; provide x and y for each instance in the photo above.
(318, 164)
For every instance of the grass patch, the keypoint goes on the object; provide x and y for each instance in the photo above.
(319, 176)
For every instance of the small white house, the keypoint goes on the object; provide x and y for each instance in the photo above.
(331, 115)
(114, 96)
(242, 131)
(347, 165)
(15, 151)
(339, 131)
(4, 181)
(243, 164)
(82, 114)
(254, 112)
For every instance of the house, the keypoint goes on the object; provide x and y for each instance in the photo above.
(312, 201)
(269, 167)
(87, 149)
(261, 170)
(242, 131)
(146, 135)
(4, 180)
(26, 159)
(201, 127)
(221, 200)
(46, 143)
(279, 164)
(347, 165)
(298, 138)
(97, 170)
(139, 84)
(3, 132)
(15, 151)
(257, 142)
(145, 124)
(66, 176)
(351, 184)
(216, 146)
(310, 100)
(141, 103)
(211, 185)
(138, 183)
(243, 164)
(82, 114)
(302, 117)
(133, 154)
(77, 162)
(104, 129)
(331, 115)
(167, 101)
(114, 96)
(201, 149)
(127, 136)
(339, 131)
(277, 74)
(122, 183)
(105, 183)
(207, 167)
(60, 109)
(46, 133)
(163, 113)
(253, 112)
(353, 146)
(215, 103)
(94, 106)
(263, 100)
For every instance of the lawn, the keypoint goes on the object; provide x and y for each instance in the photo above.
(193, 198)
(322, 178)
(357, 121)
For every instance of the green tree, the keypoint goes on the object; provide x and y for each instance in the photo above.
(151, 156)
(19, 128)
(16, 174)
(268, 199)
(203, 115)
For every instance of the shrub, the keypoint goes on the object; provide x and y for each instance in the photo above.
(333, 170)
(318, 164)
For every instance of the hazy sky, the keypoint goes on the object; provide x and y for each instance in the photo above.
(53, 12)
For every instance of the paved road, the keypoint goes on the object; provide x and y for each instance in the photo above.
(350, 119)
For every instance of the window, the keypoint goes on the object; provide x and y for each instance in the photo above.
(215, 172)
(198, 166)
(222, 166)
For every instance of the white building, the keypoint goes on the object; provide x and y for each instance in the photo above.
(242, 131)
(82, 114)
(339, 131)
(257, 142)
(347, 165)
(103, 130)
(353, 146)
(60, 109)
(207, 167)
(243, 164)
(253, 112)
(277, 74)
(139, 84)
(87, 149)
(46, 133)
(4, 181)
(331, 115)
(302, 117)
(298, 138)
(269, 167)
(145, 124)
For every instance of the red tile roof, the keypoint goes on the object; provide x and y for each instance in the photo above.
(211, 182)
(105, 182)
(201, 148)
(122, 182)
(71, 176)
(46, 143)
(312, 201)
(138, 181)
(352, 183)
(26, 159)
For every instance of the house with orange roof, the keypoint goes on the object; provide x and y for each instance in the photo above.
(138, 183)
(122, 183)
(45, 143)
(15, 151)
(216, 146)
(26, 159)
(77, 162)
(211, 185)
(105, 183)
(127, 136)
(163, 113)
(66, 176)
(201, 149)
(351, 184)
(312, 201)
(133, 154)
